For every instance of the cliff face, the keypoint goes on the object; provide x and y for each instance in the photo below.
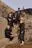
(27, 13)
(27, 16)
(4, 9)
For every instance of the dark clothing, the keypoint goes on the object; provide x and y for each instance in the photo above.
(14, 19)
(22, 31)
(10, 20)
(8, 33)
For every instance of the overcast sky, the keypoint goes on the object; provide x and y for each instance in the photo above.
(18, 3)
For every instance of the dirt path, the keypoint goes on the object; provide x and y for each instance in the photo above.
(18, 46)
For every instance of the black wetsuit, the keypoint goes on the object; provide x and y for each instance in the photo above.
(10, 20)
(8, 33)
(14, 19)
(22, 31)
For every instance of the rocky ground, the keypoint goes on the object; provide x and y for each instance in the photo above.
(5, 43)
(18, 46)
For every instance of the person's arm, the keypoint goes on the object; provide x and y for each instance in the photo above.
(14, 34)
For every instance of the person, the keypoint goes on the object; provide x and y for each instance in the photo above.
(18, 11)
(8, 33)
(18, 15)
(22, 30)
(10, 19)
(14, 18)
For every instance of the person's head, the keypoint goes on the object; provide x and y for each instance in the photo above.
(18, 9)
(21, 15)
(10, 14)
(21, 19)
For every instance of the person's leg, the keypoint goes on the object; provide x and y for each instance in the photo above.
(22, 36)
(22, 31)
(19, 37)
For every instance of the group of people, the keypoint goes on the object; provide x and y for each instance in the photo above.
(14, 19)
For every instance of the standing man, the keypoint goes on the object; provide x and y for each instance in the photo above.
(22, 29)
(8, 30)
(18, 15)
(10, 19)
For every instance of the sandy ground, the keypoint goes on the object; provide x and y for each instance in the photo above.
(5, 43)
(18, 46)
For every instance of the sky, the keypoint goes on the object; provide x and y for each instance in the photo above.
(15, 4)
